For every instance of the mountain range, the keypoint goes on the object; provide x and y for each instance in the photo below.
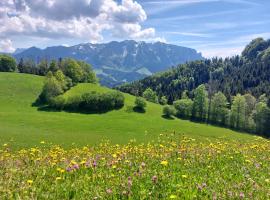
(118, 62)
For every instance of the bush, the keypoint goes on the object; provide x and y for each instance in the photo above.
(163, 100)
(51, 89)
(96, 102)
(140, 103)
(119, 99)
(150, 95)
(7, 63)
(58, 102)
(168, 111)
(90, 101)
(183, 107)
(73, 103)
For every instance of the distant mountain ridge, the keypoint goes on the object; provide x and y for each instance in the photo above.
(118, 62)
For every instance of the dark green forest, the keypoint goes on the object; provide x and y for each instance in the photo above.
(232, 92)
(248, 73)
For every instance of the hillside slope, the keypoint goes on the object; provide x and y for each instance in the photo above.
(24, 125)
(248, 73)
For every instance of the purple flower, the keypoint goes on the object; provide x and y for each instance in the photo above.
(242, 195)
(109, 191)
(68, 169)
(94, 164)
(76, 166)
(129, 182)
(154, 179)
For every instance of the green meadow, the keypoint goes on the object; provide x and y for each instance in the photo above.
(22, 125)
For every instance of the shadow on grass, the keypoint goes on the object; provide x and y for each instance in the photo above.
(46, 108)
(167, 117)
(138, 110)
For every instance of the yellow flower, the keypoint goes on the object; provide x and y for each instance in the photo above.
(82, 162)
(58, 178)
(184, 176)
(42, 142)
(114, 155)
(30, 182)
(114, 166)
(164, 162)
(173, 196)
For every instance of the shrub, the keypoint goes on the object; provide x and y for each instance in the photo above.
(90, 101)
(58, 102)
(183, 107)
(119, 99)
(51, 89)
(7, 63)
(96, 102)
(150, 95)
(163, 100)
(140, 103)
(168, 111)
(73, 103)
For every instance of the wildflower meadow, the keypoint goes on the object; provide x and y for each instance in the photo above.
(171, 167)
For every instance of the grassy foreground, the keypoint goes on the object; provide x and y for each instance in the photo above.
(22, 125)
(173, 167)
(61, 155)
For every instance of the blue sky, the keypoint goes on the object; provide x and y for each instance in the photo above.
(217, 28)
(213, 27)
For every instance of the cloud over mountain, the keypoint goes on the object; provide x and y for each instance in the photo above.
(86, 19)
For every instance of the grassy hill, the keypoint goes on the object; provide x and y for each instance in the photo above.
(230, 165)
(25, 126)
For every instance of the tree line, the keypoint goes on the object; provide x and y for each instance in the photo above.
(245, 113)
(248, 73)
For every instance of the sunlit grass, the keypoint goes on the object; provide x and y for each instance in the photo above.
(171, 167)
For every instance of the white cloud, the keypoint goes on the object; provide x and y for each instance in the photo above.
(6, 46)
(193, 34)
(86, 19)
(229, 47)
(221, 51)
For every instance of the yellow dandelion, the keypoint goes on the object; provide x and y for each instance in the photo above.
(164, 162)
(184, 176)
(173, 196)
(30, 182)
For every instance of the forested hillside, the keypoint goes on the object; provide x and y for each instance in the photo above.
(248, 73)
